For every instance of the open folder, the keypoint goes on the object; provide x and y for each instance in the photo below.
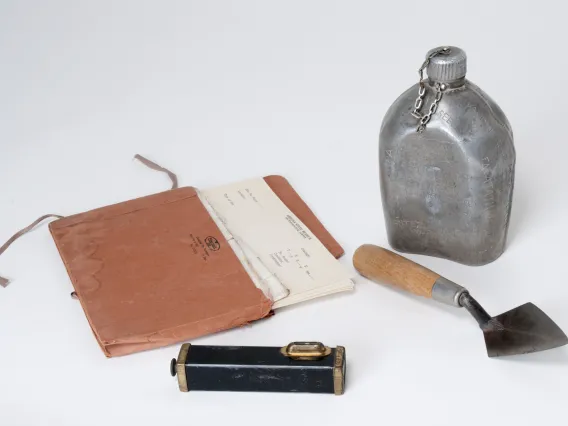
(184, 263)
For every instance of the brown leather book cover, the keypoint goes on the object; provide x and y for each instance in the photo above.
(157, 270)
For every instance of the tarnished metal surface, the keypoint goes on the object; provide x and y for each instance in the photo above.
(305, 350)
(522, 330)
(179, 368)
(447, 190)
(447, 291)
(339, 371)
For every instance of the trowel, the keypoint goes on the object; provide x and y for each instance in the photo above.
(522, 330)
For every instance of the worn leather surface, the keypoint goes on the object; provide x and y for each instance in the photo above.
(146, 277)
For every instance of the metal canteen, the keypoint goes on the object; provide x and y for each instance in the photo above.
(447, 166)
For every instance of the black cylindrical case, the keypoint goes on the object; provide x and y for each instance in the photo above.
(298, 367)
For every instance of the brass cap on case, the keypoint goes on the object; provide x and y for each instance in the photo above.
(177, 367)
(339, 370)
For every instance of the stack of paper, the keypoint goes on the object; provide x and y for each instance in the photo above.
(282, 256)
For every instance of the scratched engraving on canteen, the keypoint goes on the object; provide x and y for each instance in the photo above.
(477, 122)
(425, 231)
(389, 162)
(489, 201)
(415, 227)
(510, 176)
(444, 116)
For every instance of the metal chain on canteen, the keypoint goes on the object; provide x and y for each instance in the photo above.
(424, 119)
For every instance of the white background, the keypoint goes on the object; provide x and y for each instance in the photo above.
(225, 90)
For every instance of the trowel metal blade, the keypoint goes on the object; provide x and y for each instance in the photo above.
(522, 330)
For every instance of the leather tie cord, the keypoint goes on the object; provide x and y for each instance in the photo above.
(4, 281)
(158, 168)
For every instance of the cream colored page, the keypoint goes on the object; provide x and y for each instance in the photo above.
(254, 214)
(259, 274)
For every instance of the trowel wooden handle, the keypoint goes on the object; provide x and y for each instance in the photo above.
(384, 266)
